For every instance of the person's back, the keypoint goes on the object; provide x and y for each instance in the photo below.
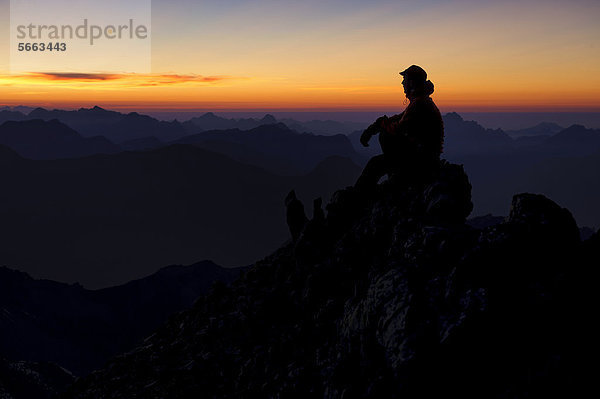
(417, 134)
(411, 141)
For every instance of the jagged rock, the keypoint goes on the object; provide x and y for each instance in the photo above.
(534, 211)
(391, 296)
(318, 214)
(295, 216)
(444, 199)
(448, 198)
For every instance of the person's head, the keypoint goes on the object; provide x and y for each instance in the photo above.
(415, 82)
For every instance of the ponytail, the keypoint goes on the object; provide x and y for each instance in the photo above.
(428, 87)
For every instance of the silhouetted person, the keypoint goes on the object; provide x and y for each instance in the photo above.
(295, 216)
(411, 141)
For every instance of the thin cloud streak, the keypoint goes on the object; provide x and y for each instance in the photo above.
(72, 76)
(129, 80)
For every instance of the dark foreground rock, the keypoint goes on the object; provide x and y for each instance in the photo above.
(391, 295)
(39, 380)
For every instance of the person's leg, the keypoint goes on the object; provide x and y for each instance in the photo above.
(375, 169)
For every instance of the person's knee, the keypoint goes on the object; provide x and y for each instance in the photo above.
(376, 163)
(373, 171)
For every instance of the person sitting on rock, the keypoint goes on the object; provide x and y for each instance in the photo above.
(411, 141)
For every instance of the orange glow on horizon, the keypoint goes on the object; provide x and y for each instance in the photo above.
(481, 56)
(176, 91)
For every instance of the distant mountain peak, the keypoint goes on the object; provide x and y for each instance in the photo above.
(577, 131)
(549, 125)
(576, 126)
(268, 119)
(96, 109)
(543, 128)
(453, 116)
(51, 129)
(50, 139)
(277, 126)
(577, 138)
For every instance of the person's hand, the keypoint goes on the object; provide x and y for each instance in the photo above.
(373, 129)
(365, 137)
(381, 121)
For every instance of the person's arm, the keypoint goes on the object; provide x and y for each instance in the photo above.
(376, 127)
(396, 118)
(398, 123)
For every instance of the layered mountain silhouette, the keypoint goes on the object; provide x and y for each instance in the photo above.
(468, 136)
(464, 137)
(9, 115)
(79, 329)
(115, 126)
(106, 219)
(19, 108)
(259, 142)
(275, 147)
(495, 160)
(571, 181)
(541, 129)
(324, 127)
(391, 295)
(576, 140)
(38, 139)
(210, 121)
(120, 127)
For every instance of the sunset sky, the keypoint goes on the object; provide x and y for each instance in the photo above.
(236, 54)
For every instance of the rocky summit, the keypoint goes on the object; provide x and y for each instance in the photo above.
(389, 295)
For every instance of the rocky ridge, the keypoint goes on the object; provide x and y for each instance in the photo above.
(390, 295)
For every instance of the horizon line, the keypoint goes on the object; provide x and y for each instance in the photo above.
(151, 108)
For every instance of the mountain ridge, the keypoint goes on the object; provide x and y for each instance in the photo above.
(47, 321)
(38, 139)
(106, 219)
